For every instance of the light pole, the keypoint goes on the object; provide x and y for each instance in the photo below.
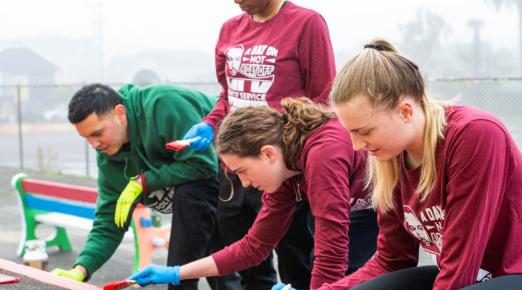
(476, 26)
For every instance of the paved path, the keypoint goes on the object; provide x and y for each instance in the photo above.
(117, 268)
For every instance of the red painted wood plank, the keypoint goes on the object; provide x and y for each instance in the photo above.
(60, 190)
(6, 279)
(44, 277)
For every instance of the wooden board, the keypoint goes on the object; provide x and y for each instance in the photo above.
(31, 278)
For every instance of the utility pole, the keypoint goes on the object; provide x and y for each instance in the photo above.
(476, 26)
(99, 23)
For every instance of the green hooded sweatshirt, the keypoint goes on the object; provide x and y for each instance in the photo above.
(156, 115)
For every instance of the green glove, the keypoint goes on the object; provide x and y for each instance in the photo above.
(125, 202)
(72, 274)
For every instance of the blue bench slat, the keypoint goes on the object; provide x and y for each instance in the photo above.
(61, 206)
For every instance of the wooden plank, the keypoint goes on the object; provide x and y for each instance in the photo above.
(60, 190)
(6, 279)
(44, 276)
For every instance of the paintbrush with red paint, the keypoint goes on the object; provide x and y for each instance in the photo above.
(119, 285)
(6, 279)
(179, 144)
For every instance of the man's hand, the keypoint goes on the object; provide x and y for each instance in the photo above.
(73, 274)
(155, 274)
(127, 198)
(203, 134)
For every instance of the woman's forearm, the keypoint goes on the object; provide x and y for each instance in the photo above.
(205, 267)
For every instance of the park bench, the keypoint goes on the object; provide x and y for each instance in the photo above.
(62, 206)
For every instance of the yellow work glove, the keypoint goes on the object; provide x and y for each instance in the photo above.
(72, 274)
(125, 202)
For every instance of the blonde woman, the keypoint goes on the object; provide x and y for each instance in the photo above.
(303, 154)
(447, 178)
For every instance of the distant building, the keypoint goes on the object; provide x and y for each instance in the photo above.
(21, 65)
(171, 65)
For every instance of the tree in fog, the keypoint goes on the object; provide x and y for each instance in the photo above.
(518, 4)
(423, 40)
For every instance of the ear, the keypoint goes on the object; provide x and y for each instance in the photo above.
(405, 109)
(269, 152)
(121, 113)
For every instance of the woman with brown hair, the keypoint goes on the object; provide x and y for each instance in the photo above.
(274, 49)
(445, 177)
(302, 154)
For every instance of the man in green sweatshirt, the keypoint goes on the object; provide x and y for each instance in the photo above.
(129, 129)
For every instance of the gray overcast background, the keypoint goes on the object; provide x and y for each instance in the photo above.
(83, 41)
(110, 40)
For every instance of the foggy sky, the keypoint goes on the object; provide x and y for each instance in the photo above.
(109, 29)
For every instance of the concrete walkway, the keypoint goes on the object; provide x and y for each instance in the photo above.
(117, 268)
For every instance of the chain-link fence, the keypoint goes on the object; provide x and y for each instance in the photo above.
(499, 96)
(35, 133)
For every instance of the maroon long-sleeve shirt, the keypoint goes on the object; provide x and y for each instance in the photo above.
(471, 223)
(332, 180)
(258, 64)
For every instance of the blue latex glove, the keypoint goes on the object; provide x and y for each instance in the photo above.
(203, 135)
(155, 274)
(281, 286)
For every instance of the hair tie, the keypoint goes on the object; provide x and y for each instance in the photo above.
(285, 118)
(371, 46)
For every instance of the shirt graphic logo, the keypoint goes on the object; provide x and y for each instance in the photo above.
(427, 229)
(234, 55)
(250, 74)
(361, 203)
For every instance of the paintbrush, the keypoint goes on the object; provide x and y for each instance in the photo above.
(179, 144)
(119, 285)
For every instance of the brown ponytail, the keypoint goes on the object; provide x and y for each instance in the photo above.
(304, 117)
